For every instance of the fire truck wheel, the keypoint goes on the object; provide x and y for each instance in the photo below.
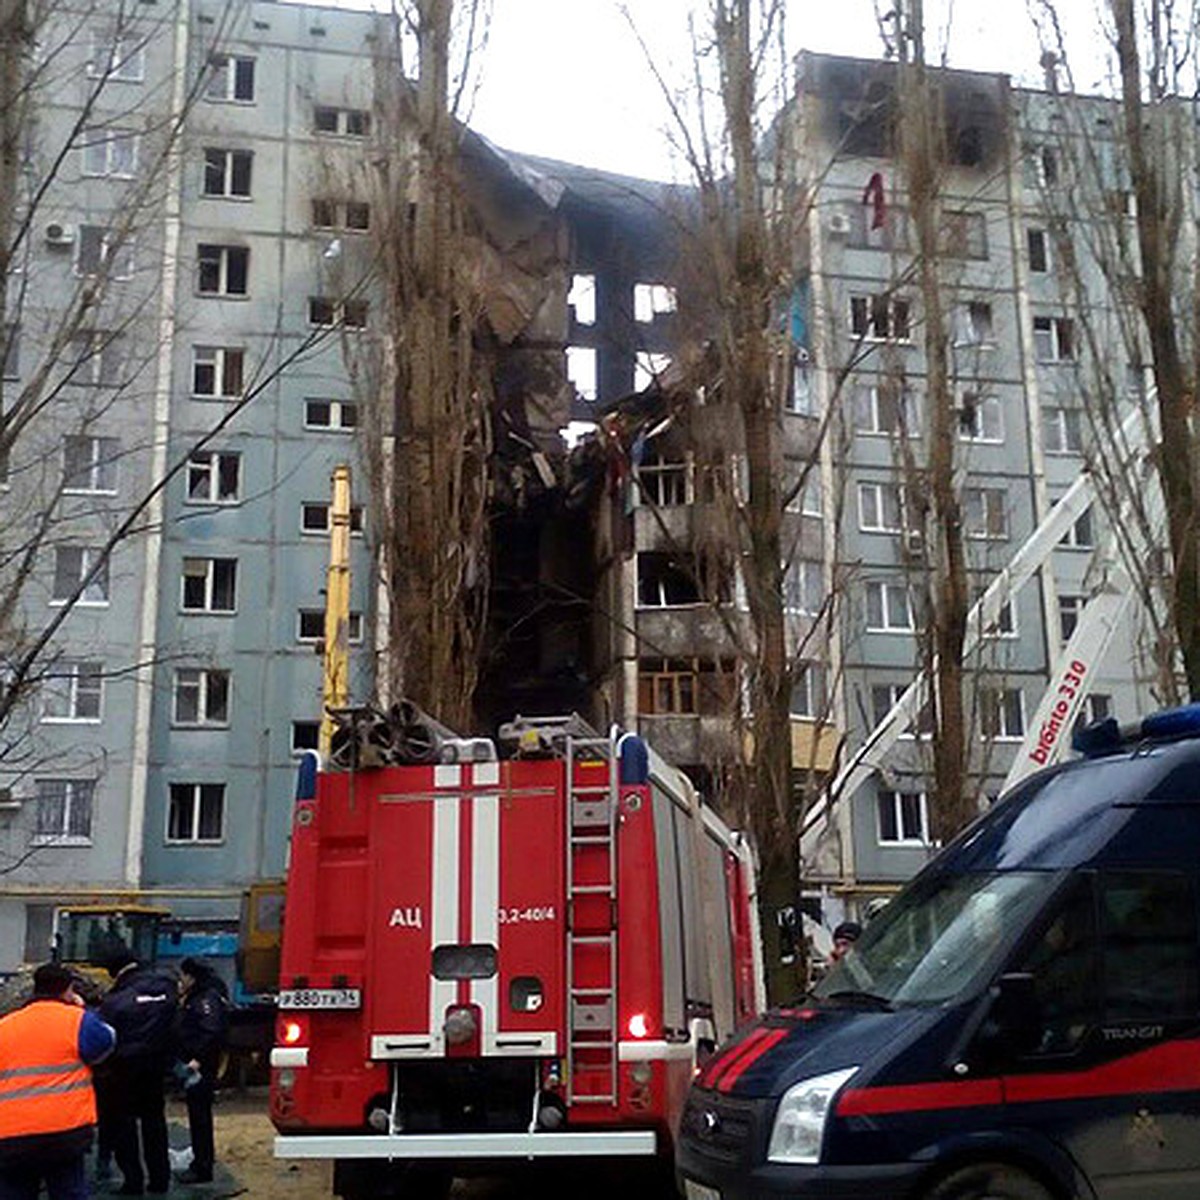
(988, 1181)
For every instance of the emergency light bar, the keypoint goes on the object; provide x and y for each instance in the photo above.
(1107, 737)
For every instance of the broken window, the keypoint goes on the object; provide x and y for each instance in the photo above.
(980, 418)
(975, 324)
(326, 311)
(666, 580)
(880, 318)
(648, 369)
(1039, 250)
(581, 299)
(101, 251)
(217, 371)
(1054, 339)
(581, 371)
(214, 477)
(209, 585)
(663, 481)
(652, 300)
(686, 687)
(1041, 165)
(346, 216)
(310, 626)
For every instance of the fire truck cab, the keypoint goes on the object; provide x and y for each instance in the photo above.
(486, 962)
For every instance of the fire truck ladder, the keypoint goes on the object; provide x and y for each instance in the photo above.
(591, 895)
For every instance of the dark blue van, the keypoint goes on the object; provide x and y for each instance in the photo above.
(1021, 1023)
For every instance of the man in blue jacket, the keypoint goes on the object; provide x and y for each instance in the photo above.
(47, 1105)
(140, 1006)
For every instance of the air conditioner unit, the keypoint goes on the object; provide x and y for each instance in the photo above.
(59, 234)
(839, 223)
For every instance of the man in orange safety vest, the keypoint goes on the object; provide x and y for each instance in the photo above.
(47, 1105)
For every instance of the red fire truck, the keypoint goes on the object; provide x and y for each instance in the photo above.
(487, 962)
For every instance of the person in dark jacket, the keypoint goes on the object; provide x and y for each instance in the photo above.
(47, 1106)
(141, 1007)
(203, 1019)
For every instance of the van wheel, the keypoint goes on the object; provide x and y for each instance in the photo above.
(988, 1181)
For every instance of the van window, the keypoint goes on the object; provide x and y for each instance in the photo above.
(938, 939)
(1149, 946)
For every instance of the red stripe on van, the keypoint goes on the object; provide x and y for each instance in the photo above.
(716, 1067)
(735, 1071)
(1170, 1067)
(916, 1097)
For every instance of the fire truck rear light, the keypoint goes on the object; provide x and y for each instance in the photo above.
(639, 1025)
(286, 1079)
(291, 1033)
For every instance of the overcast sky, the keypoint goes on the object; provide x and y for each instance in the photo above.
(566, 78)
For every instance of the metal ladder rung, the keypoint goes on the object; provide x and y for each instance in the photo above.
(592, 939)
(592, 991)
(593, 1098)
(590, 839)
(592, 889)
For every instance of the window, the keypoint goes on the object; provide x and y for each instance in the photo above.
(306, 735)
(1039, 250)
(10, 351)
(808, 501)
(314, 518)
(1081, 535)
(1002, 713)
(663, 481)
(880, 508)
(885, 697)
(879, 318)
(196, 812)
(903, 818)
(209, 585)
(325, 311)
(330, 414)
(232, 78)
(686, 687)
(347, 122)
(665, 580)
(1135, 381)
(1097, 706)
(886, 409)
(348, 216)
(1041, 166)
(227, 172)
(201, 696)
(117, 55)
(214, 477)
(1054, 339)
(888, 608)
(1005, 624)
(1062, 430)
(1069, 610)
(804, 587)
(652, 300)
(218, 371)
(801, 397)
(986, 513)
(875, 227)
(809, 697)
(90, 463)
(648, 368)
(96, 358)
(964, 235)
(581, 371)
(101, 252)
(222, 270)
(64, 811)
(980, 418)
(74, 691)
(581, 299)
(975, 327)
(110, 154)
(72, 565)
(310, 626)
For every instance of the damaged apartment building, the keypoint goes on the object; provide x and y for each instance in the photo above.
(187, 682)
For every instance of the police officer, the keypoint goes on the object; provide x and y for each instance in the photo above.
(47, 1105)
(203, 1019)
(140, 1006)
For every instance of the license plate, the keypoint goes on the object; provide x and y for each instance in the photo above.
(699, 1191)
(320, 998)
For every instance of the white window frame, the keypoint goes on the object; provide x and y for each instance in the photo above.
(76, 792)
(1006, 620)
(337, 413)
(977, 409)
(97, 358)
(912, 731)
(895, 311)
(208, 687)
(1057, 429)
(879, 493)
(101, 159)
(804, 587)
(870, 403)
(113, 57)
(222, 84)
(309, 530)
(210, 584)
(205, 467)
(70, 683)
(1049, 341)
(810, 684)
(973, 329)
(992, 503)
(100, 468)
(197, 796)
(897, 803)
(355, 627)
(887, 592)
(114, 262)
(809, 500)
(1070, 611)
(96, 595)
(220, 358)
(343, 120)
(224, 257)
(340, 313)
(1000, 697)
(1082, 534)
(228, 158)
